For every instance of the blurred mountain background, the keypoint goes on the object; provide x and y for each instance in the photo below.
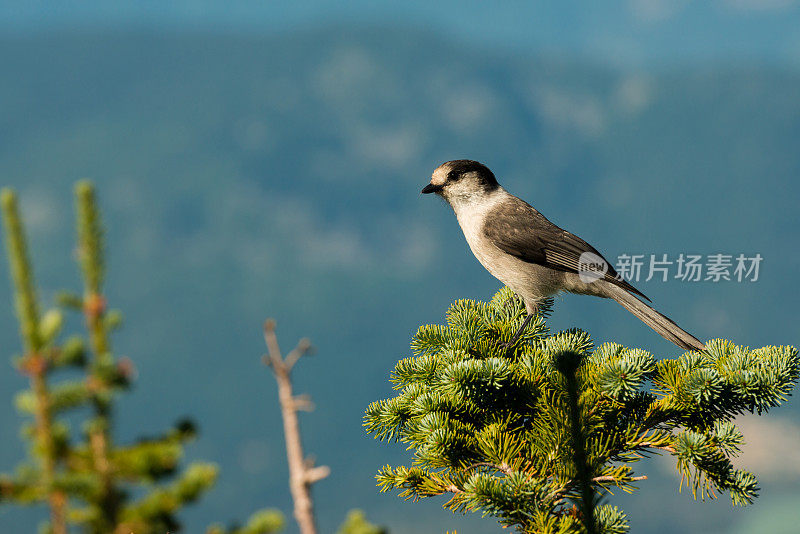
(265, 159)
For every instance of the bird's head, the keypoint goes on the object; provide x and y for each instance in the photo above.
(461, 180)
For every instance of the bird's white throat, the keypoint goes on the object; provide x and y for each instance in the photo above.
(471, 209)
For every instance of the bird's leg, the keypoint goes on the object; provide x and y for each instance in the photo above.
(521, 329)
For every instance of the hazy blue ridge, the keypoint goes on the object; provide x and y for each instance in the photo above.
(246, 177)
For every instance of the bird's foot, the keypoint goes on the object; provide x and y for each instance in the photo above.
(513, 341)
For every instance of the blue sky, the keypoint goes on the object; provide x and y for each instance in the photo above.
(191, 158)
(618, 31)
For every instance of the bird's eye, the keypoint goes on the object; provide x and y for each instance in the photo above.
(452, 176)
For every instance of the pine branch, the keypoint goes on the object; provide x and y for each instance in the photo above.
(356, 523)
(262, 522)
(34, 362)
(519, 433)
(302, 473)
(92, 262)
(568, 363)
(92, 483)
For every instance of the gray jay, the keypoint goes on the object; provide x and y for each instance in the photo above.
(533, 256)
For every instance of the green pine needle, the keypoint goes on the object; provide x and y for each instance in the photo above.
(535, 434)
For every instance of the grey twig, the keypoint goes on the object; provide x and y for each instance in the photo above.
(302, 472)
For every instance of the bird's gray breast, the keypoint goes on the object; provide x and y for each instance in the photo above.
(528, 280)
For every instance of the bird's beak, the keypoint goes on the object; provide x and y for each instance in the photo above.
(430, 188)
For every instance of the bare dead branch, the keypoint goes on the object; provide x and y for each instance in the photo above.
(302, 473)
(315, 474)
(303, 347)
(302, 403)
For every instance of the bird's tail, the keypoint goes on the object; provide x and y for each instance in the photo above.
(662, 324)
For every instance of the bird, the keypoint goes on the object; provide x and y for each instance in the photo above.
(531, 255)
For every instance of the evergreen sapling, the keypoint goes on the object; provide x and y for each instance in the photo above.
(90, 482)
(536, 433)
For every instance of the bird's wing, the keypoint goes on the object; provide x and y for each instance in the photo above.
(518, 229)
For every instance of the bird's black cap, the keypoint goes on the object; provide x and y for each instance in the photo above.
(462, 166)
(452, 171)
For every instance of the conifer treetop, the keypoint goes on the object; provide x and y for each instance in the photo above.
(519, 433)
(91, 483)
